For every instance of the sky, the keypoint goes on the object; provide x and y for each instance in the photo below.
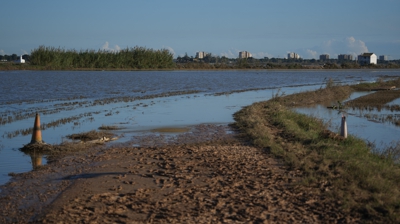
(265, 28)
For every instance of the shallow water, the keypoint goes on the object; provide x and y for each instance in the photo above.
(139, 102)
(380, 133)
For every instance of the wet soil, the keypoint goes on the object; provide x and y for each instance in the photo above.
(206, 175)
(209, 175)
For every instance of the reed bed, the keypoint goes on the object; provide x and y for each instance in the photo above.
(129, 58)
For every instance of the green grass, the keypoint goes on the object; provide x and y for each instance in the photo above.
(51, 58)
(364, 182)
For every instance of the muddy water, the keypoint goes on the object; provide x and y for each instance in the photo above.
(139, 102)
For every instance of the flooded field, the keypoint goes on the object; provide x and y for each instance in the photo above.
(379, 128)
(161, 103)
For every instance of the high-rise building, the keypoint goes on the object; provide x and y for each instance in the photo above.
(200, 54)
(343, 57)
(245, 54)
(324, 57)
(293, 55)
(383, 57)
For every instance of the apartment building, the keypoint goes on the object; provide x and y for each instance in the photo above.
(383, 57)
(245, 54)
(343, 57)
(200, 54)
(293, 55)
(324, 57)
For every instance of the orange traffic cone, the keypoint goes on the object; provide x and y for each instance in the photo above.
(37, 133)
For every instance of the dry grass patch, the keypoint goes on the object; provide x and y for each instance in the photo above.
(323, 96)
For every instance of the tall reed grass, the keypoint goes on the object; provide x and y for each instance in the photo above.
(129, 58)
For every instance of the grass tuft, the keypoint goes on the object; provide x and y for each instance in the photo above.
(363, 181)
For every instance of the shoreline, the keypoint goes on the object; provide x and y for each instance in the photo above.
(211, 178)
(217, 174)
(27, 67)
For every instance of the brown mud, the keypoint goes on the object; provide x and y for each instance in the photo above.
(206, 176)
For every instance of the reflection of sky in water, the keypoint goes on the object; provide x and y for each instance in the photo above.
(394, 102)
(379, 133)
(136, 118)
(176, 111)
(357, 94)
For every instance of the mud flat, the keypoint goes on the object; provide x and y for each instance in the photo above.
(212, 174)
(208, 176)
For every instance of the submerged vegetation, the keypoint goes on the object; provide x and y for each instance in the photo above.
(363, 180)
(129, 58)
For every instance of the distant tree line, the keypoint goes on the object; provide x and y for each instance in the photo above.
(44, 58)
(129, 58)
(12, 57)
(216, 62)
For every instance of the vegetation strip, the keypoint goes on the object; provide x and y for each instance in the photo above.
(131, 58)
(377, 99)
(345, 169)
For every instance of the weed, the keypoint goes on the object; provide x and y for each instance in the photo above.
(277, 95)
(330, 83)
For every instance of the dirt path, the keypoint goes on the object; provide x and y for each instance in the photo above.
(216, 181)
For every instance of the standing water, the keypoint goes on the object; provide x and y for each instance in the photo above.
(72, 102)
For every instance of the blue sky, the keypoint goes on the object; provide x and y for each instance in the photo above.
(262, 27)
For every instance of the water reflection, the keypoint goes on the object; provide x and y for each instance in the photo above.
(36, 158)
(68, 106)
(378, 126)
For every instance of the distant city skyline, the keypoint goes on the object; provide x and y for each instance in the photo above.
(223, 28)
